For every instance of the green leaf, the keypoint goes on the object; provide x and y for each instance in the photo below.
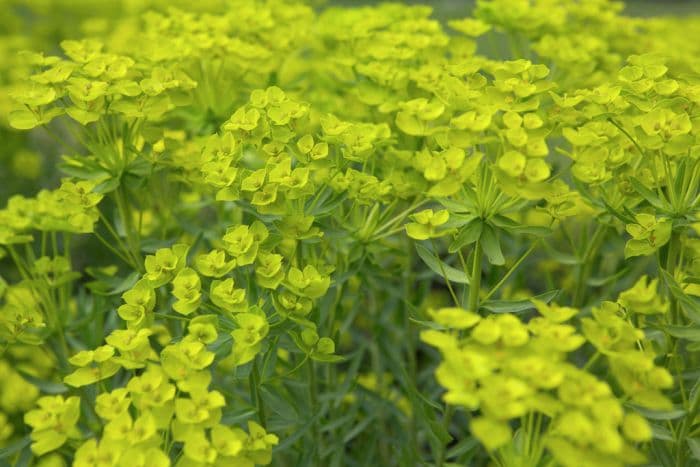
(467, 235)
(299, 343)
(511, 226)
(690, 333)
(491, 246)
(280, 405)
(649, 195)
(679, 182)
(107, 186)
(298, 432)
(560, 257)
(517, 306)
(15, 447)
(460, 206)
(622, 215)
(47, 387)
(694, 445)
(435, 264)
(428, 324)
(660, 451)
(601, 281)
(466, 445)
(327, 358)
(691, 305)
(661, 432)
(659, 414)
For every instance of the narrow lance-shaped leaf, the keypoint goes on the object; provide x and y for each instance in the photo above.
(467, 235)
(491, 246)
(437, 266)
(517, 306)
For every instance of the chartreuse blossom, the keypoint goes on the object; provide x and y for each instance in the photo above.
(427, 223)
(648, 235)
(163, 266)
(53, 422)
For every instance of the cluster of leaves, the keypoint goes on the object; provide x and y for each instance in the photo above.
(352, 236)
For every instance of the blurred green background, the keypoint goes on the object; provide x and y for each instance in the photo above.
(458, 8)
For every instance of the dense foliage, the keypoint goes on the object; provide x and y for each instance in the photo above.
(262, 232)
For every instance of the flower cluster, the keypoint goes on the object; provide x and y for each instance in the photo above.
(508, 369)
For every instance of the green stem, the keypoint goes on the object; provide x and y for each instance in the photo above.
(313, 399)
(688, 421)
(591, 361)
(387, 234)
(398, 218)
(413, 375)
(128, 260)
(510, 272)
(126, 255)
(444, 274)
(256, 394)
(671, 260)
(584, 269)
(132, 240)
(447, 420)
(629, 137)
(475, 284)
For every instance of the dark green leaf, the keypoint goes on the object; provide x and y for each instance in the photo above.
(680, 178)
(464, 446)
(694, 445)
(690, 333)
(467, 235)
(327, 358)
(48, 387)
(649, 195)
(278, 403)
(15, 447)
(490, 245)
(511, 226)
(660, 414)
(517, 306)
(600, 281)
(428, 324)
(107, 186)
(562, 258)
(691, 305)
(661, 432)
(438, 266)
(299, 343)
(622, 215)
(662, 453)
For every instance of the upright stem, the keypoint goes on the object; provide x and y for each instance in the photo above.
(255, 393)
(671, 260)
(475, 284)
(313, 399)
(685, 427)
(584, 269)
(444, 274)
(127, 221)
(510, 272)
(687, 421)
